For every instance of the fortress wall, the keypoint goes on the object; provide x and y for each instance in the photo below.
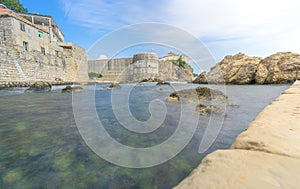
(17, 64)
(142, 66)
(112, 69)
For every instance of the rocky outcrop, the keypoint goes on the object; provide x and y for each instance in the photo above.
(199, 93)
(39, 86)
(242, 69)
(201, 79)
(70, 89)
(203, 109)
(111, 86)
(279, 68)
(168, 71)
(266, 155)
(160, 82)
(237, 69)
(210, 101)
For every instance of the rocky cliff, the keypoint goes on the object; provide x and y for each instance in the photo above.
(242, 69)
(171, 72)
(278, 68)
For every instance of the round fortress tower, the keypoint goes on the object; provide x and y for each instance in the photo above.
(145, 65)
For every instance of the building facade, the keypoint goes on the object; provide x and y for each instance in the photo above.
(32, 47)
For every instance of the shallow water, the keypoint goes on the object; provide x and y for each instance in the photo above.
(41, 147)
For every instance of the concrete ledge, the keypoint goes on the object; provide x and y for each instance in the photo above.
(238, 169)
(266, 155)
(277, 128)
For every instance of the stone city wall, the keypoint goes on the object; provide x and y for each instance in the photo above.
(17, 64)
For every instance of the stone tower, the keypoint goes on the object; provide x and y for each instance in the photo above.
(145, 65)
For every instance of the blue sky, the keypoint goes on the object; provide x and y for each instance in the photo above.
(256, 27)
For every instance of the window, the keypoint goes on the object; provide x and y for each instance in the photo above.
(40, 34)
(22, 27)
(25, 45)
(43, 50)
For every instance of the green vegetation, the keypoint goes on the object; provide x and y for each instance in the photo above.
(93, 75)
(180, 63)
(14, 5)
(195, 75)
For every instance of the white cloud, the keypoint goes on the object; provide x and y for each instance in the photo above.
(256, 27)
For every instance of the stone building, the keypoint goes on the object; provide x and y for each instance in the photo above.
(32, 47)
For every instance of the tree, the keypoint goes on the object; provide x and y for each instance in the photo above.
(14, 5)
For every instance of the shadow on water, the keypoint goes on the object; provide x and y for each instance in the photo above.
(41, 147)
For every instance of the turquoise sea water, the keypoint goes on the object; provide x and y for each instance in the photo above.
(40, 146)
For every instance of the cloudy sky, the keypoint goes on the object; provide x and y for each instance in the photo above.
(255, 27)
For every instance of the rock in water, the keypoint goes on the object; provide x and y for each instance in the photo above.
(279, 68)
(161, 82)
(69, 89)
(201, 79)
(199, 93)
(111, 86)
(210, 109)
(212, 101)
(115, 86)
(39, 86)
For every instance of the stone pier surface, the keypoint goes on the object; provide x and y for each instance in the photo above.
(265, 155)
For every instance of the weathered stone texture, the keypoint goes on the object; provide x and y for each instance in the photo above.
(279, 68)
(142, 66)
(266, 155)
(20, 65)
(242, 69)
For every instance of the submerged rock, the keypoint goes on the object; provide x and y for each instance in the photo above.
(39, 86)
(69, 89)
(210, 109)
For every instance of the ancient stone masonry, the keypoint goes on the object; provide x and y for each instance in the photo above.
(142, 66)
(28, 53)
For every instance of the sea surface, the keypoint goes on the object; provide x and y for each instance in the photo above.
(41, 147)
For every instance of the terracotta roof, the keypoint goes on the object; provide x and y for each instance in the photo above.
(6, 11)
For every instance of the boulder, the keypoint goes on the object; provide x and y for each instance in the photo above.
(237, 69)
(39, 86)
(199, 93)
(212, 101)
(173, 97)
(111, 86)
(115, 85)
(69, 89)
(283, 67)
(201, 79)
(160, 82)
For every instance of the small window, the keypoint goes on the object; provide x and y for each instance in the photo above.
(25, 45)
(40, 34)
(22, 27)
(43, 50)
